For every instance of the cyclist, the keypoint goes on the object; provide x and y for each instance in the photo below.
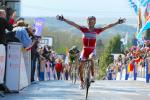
(89, 40)
(73, 57)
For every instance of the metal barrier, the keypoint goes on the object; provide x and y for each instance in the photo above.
(18, 72)
(138, 73)
(2, 63)
(147, 66)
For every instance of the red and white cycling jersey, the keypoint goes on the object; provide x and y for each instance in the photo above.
(89, 40)
(89, 37)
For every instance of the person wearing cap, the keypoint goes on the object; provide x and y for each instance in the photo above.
(89, 40)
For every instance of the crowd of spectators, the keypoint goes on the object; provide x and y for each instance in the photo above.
(133, 60)
(43, 59)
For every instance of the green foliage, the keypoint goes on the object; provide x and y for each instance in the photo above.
(106, 58)
(62, 39)
(147, 33)
(115, 44)
(99, 46)
(129, 45)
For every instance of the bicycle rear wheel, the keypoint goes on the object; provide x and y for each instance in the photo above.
(73, 74)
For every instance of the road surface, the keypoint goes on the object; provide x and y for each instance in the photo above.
(100, 90)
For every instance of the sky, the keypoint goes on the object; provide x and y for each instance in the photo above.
(76, 8)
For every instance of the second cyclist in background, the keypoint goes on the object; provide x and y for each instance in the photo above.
(73, 56)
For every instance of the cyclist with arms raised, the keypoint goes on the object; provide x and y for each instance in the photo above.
(89, 40)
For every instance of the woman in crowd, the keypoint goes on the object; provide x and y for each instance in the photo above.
(59, 68)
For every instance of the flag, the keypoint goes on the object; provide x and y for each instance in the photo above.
(145, 27)
(144, 2)
(139, 20)
(38, 25)
(130, 67)
(147, 11)
(134, 6)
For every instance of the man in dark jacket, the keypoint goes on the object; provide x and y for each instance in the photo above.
(35, 57)
(4, 24)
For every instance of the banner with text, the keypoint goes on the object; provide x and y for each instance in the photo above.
(18, 70)
(38, 25)
(2, 63)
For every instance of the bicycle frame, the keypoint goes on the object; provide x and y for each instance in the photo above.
(74, 72)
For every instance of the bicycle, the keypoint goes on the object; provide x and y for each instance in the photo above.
(74, 72)
(87, 76)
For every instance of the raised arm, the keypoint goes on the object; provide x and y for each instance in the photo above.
(120, 21)
(61, 18)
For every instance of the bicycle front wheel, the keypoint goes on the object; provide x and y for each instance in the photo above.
(87, 85)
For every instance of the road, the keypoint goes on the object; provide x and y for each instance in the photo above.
(100, 90)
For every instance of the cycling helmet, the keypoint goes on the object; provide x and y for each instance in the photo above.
(74, 47)
(91, 17)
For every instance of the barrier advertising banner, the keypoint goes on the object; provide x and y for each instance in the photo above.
(27, 59)
(25, 69)
(13, 66)
(18, 67)
(2, 63)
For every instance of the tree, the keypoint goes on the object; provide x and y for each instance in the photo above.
(115, 44)
(62, 39)
(99, 46)
(106, 58)
(148, 34)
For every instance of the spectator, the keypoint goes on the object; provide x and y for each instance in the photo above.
(22, 32)
(46, 54)
(20, 19)
(9, 11)
(4, 24)
(67, 67)
(52, 59)
(59, 68)
(11, 36)
(12, 18)
(119, 63)
(35, 57)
